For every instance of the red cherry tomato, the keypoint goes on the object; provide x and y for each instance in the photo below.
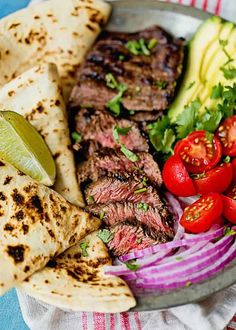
(229, 204)
(227, 135)
(198, 153)
(215, 180)
(234, 170)
(176, 178)
(200, 216)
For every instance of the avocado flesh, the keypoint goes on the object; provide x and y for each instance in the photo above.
(209, 64)
(206, 34)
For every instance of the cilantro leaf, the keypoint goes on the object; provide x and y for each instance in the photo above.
(105, 235)
(168, 140)
(186, 120)
(141, 47)
(133, 46)
(76, 136)
(217, 91)
(161, 84)
(157, 132)
(152, 43)
(229, 231)
(191, 85)
(129, 154)
(131, 266)
(84, 247)
(209, 120)
(111, 81)
(143, 206)
(229, 72)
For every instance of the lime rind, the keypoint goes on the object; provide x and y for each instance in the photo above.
(23, 147)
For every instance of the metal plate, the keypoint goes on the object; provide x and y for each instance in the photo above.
(181, 21)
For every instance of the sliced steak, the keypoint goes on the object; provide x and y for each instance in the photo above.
(142, 116)
(114, 213)
(130, 236)
(151, 79)
(107, 160)
(98, 126)
(121, 189)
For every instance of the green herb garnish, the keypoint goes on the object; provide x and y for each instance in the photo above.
(114, 105)
(111, 81)
(90, 199)
(131, 266)
(227, 159)
(102, 215)
(129, 154)
(217, 91)
(191, 85)
(178, 258)
(138, 191)
(139, 240)
(84, 247)
(121, 57)
(228, 231)
(143, 206)
(161, 84)
(105, 235)
(152, 43)
(76, 137)
(229, 72)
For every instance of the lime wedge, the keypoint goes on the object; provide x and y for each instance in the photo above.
(23, 147)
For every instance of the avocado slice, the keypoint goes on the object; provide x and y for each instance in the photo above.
(207, 72)
(206, 35)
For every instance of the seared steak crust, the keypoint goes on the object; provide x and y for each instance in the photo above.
(129, 236)
(114, 213)
(121, 189)
(106, 160)
(98, 126)
(140, 73)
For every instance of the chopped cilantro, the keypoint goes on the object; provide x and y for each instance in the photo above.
(105, 235)
(152, 43)
(209, 136)
(143, 206)
(86, 105)
(129, 154)
(209, 120)
(223, 42)
(76, 136)
(144, 181)
(114, 105)
(141, 47)
(228, 231)
(131, 266)
(102, 215)
(217, 91)
(178, 258)
(191, 85)
(138, 191)
(111, 81)
(121, 57)
(160, 84)
(229, 72)
(139, 240)
(186, 120)
(84, 247)
(121, 131)
(131, 112)
(90, 199)
(227, 160)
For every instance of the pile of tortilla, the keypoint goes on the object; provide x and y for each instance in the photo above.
(42, 229)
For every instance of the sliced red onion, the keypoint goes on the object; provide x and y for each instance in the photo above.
(194, 263)
(208, 236)
(177, 282)
(188, 200)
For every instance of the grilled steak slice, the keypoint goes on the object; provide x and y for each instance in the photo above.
(128, 236)
(114, 213)
(98, 126)
(108, 160)
(150, 79)
(121, 189)
(141, 116)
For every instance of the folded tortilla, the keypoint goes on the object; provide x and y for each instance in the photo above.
(52, 31)
(36, 224)
(76, 282)
(36, 95)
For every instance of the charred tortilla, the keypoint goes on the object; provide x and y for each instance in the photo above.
(36, 224)
(52, 31)
(37, 95)
(76, 282)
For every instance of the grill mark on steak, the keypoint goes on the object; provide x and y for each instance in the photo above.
(107, 160)
(129, 236)
(114, 213)
(164, 64)
(121, 189)
(98, 126)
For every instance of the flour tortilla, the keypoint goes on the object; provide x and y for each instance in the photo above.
(77, 283)
(36, 95)
(52, 31)
(36, 224)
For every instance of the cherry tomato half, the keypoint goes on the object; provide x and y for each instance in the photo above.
(229, 204)
(176, 178)
(234, 170)
(198, 153)
(200, 216)
(227, 135)
(217, 179)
